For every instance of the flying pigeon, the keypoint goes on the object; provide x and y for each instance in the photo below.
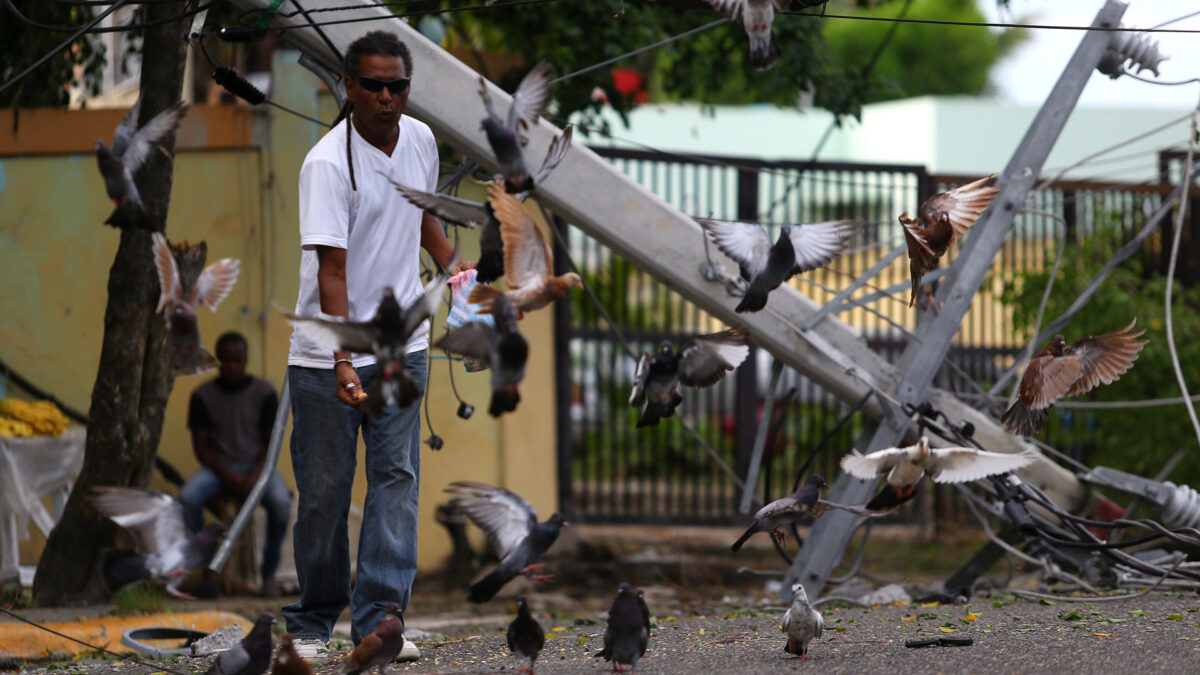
(756, 16)
(701, 361)
(525, 636)
(800, 248)
(905, 466)
(131, 146)
(627, 635)
(178, 304)
(801, 623)
(287, 661)
(511, 526)
(251, 656)
(527, 260)
(1061, 370)
(379, 648)
(386, 336)
(943, 218)
(155, 520)
(803, 502)
(503, 135)
(499, 346)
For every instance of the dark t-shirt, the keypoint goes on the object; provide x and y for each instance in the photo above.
(239, 416)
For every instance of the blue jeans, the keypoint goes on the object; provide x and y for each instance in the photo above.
(205, 486)
(324, 444)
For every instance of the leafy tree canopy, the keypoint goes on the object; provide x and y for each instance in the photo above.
(22, 44)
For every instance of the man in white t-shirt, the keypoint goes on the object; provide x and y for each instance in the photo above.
(358, 235)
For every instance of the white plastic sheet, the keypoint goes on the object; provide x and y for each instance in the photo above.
(35, 466)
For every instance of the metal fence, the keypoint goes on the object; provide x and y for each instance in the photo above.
(610, 471)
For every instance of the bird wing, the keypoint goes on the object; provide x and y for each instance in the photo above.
(962, 205)
(215, 282)
(231, 661)
(820, 621)
(475, 340)
(336, 334)
(824, 505)
(126, 129)
(450, 209)
(1105, 358)
(963, 465)
(530, 98)
(426, 305)
(526, 258)
(818, 244)
(154, 519)
(152, 132)
(1049, 378)
(732, 9)
(505, 517)
(704, 361)
(554, 155)
(171, 290)
(873, 464)
(640, 377)
(747, 244)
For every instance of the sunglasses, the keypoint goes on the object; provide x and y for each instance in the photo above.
(374, 84)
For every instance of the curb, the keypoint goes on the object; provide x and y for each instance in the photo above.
(22, 642)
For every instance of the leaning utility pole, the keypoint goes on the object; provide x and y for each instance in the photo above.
(923, 357)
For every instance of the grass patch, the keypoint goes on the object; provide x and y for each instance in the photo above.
(141, 598)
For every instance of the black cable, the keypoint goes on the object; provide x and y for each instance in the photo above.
(66, 43)
(324, 38)
(335, 22)
(124, 657)
(639, 50)
(994, 24)
(90, 26)
(232, 82)
(829, 436)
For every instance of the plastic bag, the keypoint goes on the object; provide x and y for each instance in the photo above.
(463, 312)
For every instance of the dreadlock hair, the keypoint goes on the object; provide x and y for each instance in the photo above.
(376, 42)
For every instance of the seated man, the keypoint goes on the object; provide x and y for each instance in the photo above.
(230, 418)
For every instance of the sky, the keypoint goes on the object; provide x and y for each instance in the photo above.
(1028, 74)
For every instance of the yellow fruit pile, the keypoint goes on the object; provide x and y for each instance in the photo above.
(28, 418)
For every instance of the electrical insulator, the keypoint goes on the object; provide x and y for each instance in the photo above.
(1138, 49)
(1181, 508)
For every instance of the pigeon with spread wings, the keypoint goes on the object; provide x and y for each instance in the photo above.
(800, 248)
(512, 528)
(504, 134)
(178, 304)
(701, 361)
(1060, 370)
(942, 219)
(756, 16)
(805, 501)
(130, 149)
(498, 345)
(904, 468)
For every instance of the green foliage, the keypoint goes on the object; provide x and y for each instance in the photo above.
(141, 598)
(1139, 440)
(21, 45)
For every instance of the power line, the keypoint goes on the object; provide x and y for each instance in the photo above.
(90, 27)
(426, 12)
(996, 24)
(640, 50)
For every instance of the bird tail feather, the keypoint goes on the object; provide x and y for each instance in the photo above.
(486, 588)
(121, 568)
(484, 296)
(503, 401)
(764, 53)
(653, 413)
(889, 499)
(754, 300)
(194, 361)
(1023, 420)
(737, 545)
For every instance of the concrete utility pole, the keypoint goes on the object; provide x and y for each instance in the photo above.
(922, 359)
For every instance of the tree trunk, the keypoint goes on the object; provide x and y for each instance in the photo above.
(135, 377)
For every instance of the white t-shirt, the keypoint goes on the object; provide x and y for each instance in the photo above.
(378, 227)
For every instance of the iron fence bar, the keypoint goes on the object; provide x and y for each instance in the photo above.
(760, 437)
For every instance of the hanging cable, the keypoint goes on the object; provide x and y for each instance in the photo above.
(90, 26)
(381, 17)
(63, 45)
(228, 78)
(640, 50)
(995, 24)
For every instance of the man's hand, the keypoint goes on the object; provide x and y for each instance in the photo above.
(349, 388)
(460, 266)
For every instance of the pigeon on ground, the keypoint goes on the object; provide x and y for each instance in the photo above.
(499, 346)
(943, 218)
(379, 648)
(525, 636)
(131, 146)
(756, 16)
(800, 248)
(904, 468)
(803, 502)
(644, 609)
(179, 303)
(627, 635)
(249, 657)
(700, 361)
(511, 526)
(155, 520)
(1062, 370)
(504, 135)
(801, 623)
(287, 661)
(386, 336)
(528, 263)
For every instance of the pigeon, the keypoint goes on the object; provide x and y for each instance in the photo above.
(251, 656)
(287, 661)
(503, 135)
(130, 149)
(386, 336)
(803, 502)
(905, 466)
(1061, 370)
(627, 634)
(525, 636)
(528, 263)
(379, 648)
(499, 346)
(511, 526)
(756, 16)
(801, 623)
(178, 304)
(800, 248)
(943, 218)
(155, 520)
(701, 361)
(644, 609)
